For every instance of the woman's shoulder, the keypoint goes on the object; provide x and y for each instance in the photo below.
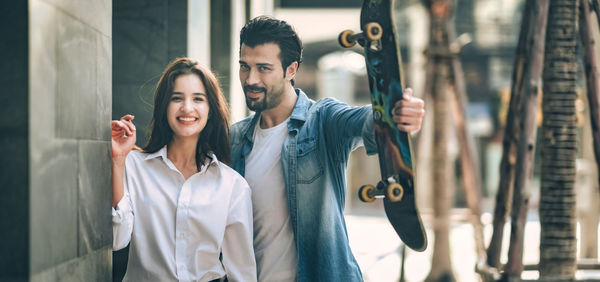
(136, 157)
(229, 171)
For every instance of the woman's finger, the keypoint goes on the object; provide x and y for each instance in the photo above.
(127, 117)
(119, 124)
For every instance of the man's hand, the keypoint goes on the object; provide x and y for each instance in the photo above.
(409, 112)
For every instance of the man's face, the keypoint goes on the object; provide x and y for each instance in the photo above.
(262, 76)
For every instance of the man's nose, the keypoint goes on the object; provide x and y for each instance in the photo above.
(253, 77)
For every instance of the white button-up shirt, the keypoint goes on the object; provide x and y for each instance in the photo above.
(178, 227)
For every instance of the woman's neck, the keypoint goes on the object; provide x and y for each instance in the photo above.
(182, 153)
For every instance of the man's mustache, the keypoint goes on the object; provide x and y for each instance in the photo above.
(252, 88)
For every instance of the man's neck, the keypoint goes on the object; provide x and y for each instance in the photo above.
(279, 114)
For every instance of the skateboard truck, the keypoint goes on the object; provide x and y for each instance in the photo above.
(372, 33)
(389, 188)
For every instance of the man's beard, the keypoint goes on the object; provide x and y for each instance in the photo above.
(256, 105)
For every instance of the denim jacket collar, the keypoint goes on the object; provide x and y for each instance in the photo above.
(301, 108)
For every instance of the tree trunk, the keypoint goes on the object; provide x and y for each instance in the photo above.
(529, 90)
(471, 172)
(591, 74)
(558, 244)
(588, 195)
(511, 135)
(443, 190)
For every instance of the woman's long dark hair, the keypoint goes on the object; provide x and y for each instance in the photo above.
(215, 135)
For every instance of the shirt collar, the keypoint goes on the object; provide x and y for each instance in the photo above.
(212, 158)
(160, 153)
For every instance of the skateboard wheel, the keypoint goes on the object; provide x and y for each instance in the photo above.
(365, 193)
(395, 192)
(373, 31)
(345, 40)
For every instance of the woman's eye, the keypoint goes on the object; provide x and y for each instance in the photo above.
(175, 98)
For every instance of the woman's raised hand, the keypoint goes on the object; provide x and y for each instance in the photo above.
(123, 137)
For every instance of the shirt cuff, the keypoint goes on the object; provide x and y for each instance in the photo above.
(123, 207)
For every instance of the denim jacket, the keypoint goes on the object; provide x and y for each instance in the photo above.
(314, 157)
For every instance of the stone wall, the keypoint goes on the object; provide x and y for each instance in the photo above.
(59, 114)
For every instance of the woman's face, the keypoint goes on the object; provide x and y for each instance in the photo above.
(188, 109)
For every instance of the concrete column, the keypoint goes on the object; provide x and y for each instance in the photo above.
(228, 18)
(261, 7)
(56, 133)
(198, 31)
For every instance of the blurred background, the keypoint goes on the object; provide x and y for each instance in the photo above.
(72, 66)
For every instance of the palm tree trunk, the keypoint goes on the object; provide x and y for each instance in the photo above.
(558, 244)
(443, 190)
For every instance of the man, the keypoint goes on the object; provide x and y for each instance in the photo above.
(293, 153)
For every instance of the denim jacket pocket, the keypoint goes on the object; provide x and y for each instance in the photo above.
(309, 163)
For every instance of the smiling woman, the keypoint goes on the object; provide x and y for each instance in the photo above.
(192, 77)
(186, 214)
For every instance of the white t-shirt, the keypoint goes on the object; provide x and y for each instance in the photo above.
(274, 245)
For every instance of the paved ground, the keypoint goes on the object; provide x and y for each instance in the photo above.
(376, 247)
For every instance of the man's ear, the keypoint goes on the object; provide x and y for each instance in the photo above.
(291, 70)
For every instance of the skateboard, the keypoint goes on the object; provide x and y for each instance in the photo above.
(384, 64)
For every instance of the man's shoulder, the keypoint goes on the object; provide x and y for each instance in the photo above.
(327, 101)
(238, 126)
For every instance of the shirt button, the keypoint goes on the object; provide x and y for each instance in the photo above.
(181, 236)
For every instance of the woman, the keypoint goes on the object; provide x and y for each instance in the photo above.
(187, 215)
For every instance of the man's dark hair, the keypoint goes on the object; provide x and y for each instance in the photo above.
(264, 29)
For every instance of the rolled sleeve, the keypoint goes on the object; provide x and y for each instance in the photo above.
(122, 223)
(368, 135)
(238, 250)
(351, 126)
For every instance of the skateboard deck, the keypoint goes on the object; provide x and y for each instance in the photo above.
(384, 64)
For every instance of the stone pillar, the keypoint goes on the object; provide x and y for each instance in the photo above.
(55, 131)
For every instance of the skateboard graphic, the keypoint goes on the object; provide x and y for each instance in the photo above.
(384, 64)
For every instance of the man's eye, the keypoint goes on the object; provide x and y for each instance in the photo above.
(264, 69)
(244, 67)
